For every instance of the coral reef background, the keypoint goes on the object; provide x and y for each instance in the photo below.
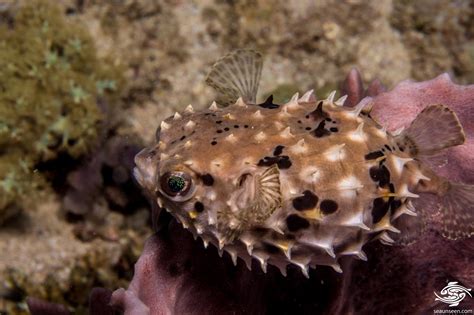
(84, 84)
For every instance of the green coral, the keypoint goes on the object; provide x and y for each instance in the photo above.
(50, 82)
(16, 180)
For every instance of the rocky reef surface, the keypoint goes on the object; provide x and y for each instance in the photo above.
(94, 78)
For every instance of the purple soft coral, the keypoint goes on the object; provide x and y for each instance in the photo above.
(176, 275)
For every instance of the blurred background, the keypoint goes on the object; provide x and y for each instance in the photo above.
(85, 83)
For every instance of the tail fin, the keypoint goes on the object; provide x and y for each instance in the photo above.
(437, 127)
(458, 211)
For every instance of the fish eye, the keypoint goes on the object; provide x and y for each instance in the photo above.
(176, 185)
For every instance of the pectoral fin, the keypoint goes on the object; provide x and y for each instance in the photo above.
(252, 204)
(268, 194)
(437, 127)
(236, 75)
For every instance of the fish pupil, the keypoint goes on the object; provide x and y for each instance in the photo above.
(176, 184)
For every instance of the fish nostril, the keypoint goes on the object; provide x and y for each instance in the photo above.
(157, 134)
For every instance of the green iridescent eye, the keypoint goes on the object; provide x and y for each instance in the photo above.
(175, 184)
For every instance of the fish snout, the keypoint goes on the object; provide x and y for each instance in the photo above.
(146, 166)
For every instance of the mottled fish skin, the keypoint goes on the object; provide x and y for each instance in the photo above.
(342, 179)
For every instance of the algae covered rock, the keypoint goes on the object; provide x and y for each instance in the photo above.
(16, 180)
(51, 83)
(438, 35)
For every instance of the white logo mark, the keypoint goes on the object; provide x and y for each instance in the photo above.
(452, 294)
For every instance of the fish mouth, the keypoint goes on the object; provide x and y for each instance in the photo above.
(138, 176)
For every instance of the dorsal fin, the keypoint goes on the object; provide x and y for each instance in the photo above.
(236, 75)
(437, 127)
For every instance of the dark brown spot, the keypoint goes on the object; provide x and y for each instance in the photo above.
(305, 202)
(198, 206)
(320, 132)
(391, 188)
(379, 209)
(388, 147)
(328, 206)
(394, 205)
(295, 223)
(246, 126)
(236, 126)
(380, 174)
(374, 155)
(268, 161)
(318, 113)
(214, 142)
(283, 161)
(269, 103)
(333, 129)
(226, 129)
(207, 179)
(308, 128)
(219, 131)
(218, 121)
(278, 150)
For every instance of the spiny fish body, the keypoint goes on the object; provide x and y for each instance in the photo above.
(301, 183)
